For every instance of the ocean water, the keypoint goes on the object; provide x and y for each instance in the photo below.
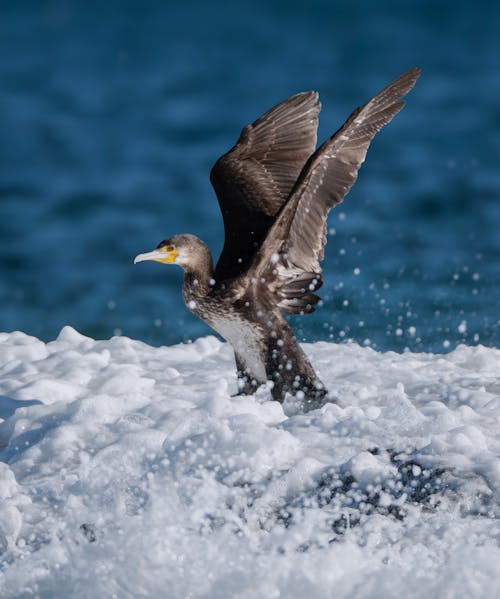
(111, 115)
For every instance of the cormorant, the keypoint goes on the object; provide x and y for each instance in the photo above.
(275, 192)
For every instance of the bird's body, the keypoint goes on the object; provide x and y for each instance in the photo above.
(264, 344)
(275, 192)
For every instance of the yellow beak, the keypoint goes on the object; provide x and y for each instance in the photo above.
(158, 256)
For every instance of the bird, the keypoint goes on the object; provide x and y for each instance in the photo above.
(275, 190)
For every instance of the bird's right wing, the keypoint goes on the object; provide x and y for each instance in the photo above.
(254, 179)
(294, 246)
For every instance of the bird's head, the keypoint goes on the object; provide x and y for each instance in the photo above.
(166, 252)
(187, 251)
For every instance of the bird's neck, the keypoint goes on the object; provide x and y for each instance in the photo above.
(197, 284)
(199, 275)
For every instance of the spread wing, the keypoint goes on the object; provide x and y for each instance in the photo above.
(294, 247)
(254, 179)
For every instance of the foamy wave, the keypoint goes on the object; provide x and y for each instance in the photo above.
(130, 469)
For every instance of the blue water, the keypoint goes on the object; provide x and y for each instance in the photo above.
(112, 113)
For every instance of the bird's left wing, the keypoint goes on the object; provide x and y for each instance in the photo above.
(294, 246)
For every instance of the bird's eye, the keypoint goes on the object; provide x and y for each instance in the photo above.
(170, 248)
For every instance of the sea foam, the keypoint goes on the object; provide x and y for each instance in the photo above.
(131, 470)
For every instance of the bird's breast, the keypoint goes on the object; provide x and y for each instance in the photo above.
(227, 315)
(247, 340)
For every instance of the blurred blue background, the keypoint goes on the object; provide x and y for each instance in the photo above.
(112, 114)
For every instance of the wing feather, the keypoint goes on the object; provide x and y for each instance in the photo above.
(299, 233)
(254, 179)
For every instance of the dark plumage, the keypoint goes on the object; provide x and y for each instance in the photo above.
(275, 192)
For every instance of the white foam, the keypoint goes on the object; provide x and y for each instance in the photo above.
(180, 486)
